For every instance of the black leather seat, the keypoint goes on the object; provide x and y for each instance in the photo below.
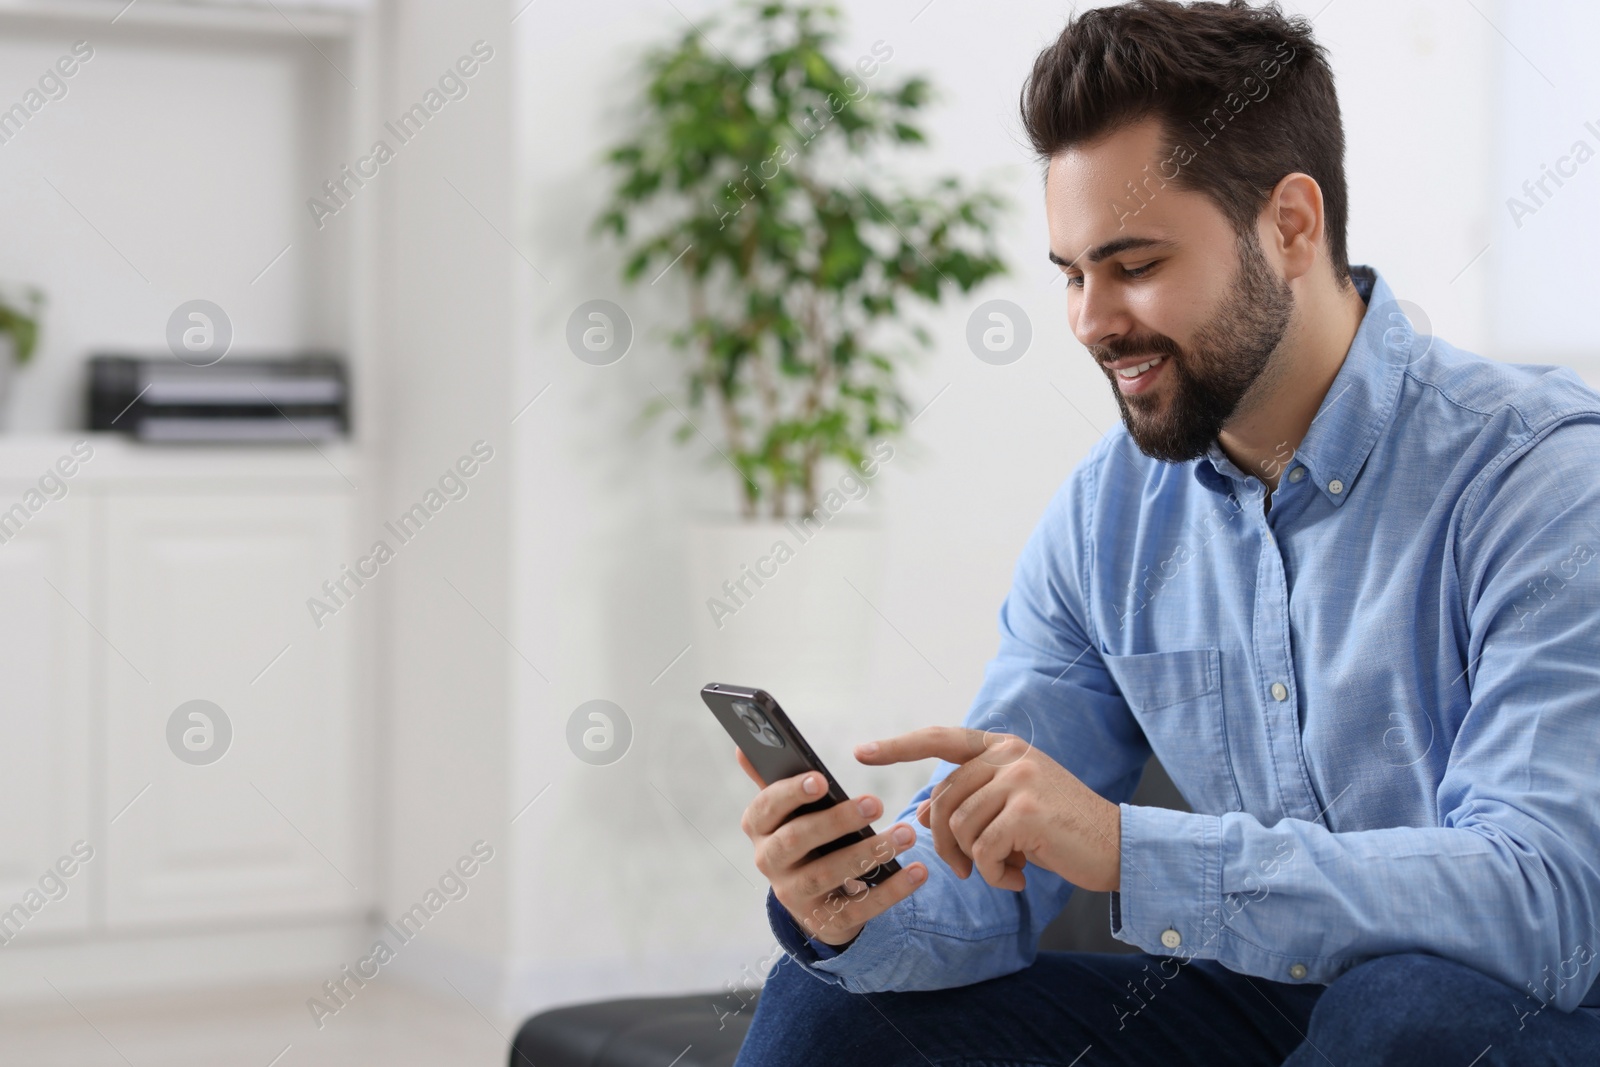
(699, 1030)
(706, 1029)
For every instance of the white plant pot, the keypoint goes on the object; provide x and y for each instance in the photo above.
(789, 608)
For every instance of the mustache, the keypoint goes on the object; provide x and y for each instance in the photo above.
(1155, 345)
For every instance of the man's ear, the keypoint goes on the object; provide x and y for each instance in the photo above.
(1293, 225)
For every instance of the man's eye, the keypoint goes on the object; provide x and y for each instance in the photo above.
(1075, 281)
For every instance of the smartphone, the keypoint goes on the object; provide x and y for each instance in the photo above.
(776, 750)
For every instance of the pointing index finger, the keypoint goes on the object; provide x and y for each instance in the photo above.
(953, 744)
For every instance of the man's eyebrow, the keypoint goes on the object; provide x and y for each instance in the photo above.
(1112, 247)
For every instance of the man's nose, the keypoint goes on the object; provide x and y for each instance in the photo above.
(1101, 316)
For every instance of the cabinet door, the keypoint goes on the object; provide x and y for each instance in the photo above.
(206, 601)
(45, 683)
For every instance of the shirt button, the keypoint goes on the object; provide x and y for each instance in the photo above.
(1336, 487)
(1279, 691)
(1297, 972)
(1171, 938)
(1296, 474)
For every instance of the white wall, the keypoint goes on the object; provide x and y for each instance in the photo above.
(444, 333)
(1549, 116)
(617, 891)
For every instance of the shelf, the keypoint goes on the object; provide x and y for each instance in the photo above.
(127, 464)
(290, 20)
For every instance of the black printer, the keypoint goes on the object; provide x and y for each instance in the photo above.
(292, 399)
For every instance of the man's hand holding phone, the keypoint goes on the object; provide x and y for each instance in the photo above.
(825, 895)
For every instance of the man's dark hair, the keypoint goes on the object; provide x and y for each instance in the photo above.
(1245, 95)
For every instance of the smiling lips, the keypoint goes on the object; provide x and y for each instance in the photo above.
(1134, 372)
(1136, 377)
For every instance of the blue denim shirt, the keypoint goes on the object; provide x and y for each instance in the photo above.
(1381, 697)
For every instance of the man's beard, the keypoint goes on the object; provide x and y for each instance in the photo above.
(1206, 383)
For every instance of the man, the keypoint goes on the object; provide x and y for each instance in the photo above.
(1337, 575)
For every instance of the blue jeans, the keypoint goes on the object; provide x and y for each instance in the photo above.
(1089, 1009)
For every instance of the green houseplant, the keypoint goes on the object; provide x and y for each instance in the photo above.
(753, 181)
(19, 322)
(19, 334)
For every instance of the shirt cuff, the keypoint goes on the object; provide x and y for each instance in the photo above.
(1170, 901)
(827, 951)
(871, 956)
(788, 932)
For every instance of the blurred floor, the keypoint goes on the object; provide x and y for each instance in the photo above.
(384, 1026)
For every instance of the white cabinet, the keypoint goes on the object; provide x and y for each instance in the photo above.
(163, 577)
(45, 692)
(205, 600)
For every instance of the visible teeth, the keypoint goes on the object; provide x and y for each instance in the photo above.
(1134, 372)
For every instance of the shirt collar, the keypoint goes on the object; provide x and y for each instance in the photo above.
(1355, 409)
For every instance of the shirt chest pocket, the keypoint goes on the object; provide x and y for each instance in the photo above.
(1177, 699)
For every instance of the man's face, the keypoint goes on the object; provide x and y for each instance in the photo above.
(1162, 275)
